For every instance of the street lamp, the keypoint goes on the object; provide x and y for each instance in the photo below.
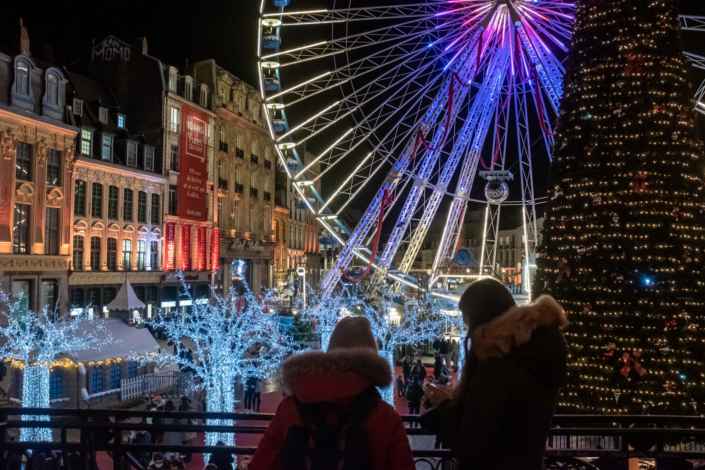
(301, 271)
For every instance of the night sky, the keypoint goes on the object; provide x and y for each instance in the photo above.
(177, 30)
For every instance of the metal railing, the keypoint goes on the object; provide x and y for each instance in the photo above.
(671, 440)
(223, 147)
(239, 188)
(268, 164)
(222, 184)
(254, 159)
(267, 196)
(239, 153)
(253, 192)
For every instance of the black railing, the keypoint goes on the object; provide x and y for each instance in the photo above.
(267, 196)
(239, 189)
(239, 153)
(222, 184)
(223, 147)
(669, 440)
(253, 192)
(254, 159)
(268, 164)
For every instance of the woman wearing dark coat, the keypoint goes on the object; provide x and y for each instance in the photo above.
(419, 370)
(222, 458)
(406, 369)
(501, 412)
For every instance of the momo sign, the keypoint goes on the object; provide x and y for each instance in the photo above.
(193, 179)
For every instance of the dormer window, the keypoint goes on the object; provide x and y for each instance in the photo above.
(52, 89)
(149, 158)
(121, 121)
(77, 107)
(172, 82)
(22, 78)
(103, 115)
(86, 141)
(107, 152)
(204, 96)
(131, 153)
(188, 88)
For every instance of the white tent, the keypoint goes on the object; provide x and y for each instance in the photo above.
(126, 300)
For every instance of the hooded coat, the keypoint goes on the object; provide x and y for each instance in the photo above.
(337, 376)
(503, 419)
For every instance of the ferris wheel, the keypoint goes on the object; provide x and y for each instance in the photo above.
(410, 103)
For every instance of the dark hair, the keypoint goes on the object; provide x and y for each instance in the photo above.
(169, 406)
(178, 464)
(482, 302)
(211, 466)
(220, 443)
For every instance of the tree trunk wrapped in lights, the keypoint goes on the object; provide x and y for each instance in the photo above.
(234, 337)
(33, 341)
(625, 229)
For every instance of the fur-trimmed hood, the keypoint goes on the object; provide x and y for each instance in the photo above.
(528, 335)
(339, 374)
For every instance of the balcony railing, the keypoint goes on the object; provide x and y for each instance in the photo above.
(253, 192)
(239, 153)
(254, 159)
(223, 147)
(222, 184)
(267, 196)
(268, 164)
(670, 441)
(239, 189)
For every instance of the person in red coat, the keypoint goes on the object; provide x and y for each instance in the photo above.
(351, 367)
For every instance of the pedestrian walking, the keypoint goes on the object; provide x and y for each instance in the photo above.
(406, 369)
(454, 353)
(437, 365)
(443, 350)
(222, 458)
(400, 387)
(249, 392)
(333, 413)
(499, 415)
(256, 400)
(419, 370)
(414, 394)
(171, 438)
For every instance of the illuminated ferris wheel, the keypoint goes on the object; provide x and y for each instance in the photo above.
(411, 103)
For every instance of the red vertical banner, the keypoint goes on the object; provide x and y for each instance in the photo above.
(215, 249)
(202, 248)
(186, 248)
(193, 178)
(170, 228)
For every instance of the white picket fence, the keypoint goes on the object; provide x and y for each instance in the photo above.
(162, 383)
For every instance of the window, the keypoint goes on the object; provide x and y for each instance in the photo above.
(236, 213)
(127, 254)
(221, 222)
(253, 179)
(172, 82)
(221, 134)
(93, 298)
(17, 377)
(132, 369)
(114, 375)
(109, 294)
(49, 295)
(175, 119)
(237, 174)
(77, 107)
(188, 91)
(121, 121)
(253, 227)
(152, 293)
(79, 201)
(204, 96)
(139, 292)
(51, 231)
(127, 205)
(20, 231)
(142, 207)
(155, 209)
(78, 253)
(107, 147)
(56, 385)
(174, 153)
(253, 147)
(154, 255)
(95, 253)
(131, 153)
(141, 255)
(112, 254)
(52, 91)
(23, 165)
(54, 168)
(149, 158)
(103, 115)
(173, 199)
(221, 169)
(97, 200)
(97, 379)
(76, 298)
(112, 202)
(86, 139)
(22, 78)
(238, 140)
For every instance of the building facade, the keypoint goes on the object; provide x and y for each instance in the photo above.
(244, 167)
(37, 146)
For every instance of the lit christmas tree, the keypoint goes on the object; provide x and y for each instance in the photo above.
(625, 229)
(33, 341)
(233, 337)
(324, 314)
(394, 325)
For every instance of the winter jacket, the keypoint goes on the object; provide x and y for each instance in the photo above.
(420, 372)
(142, 438)
(406, 369)
(437, 364)
(443, 347)
(222, 459)
(337, 377)
(503, 421)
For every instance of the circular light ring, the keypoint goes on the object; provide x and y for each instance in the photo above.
(271, 23)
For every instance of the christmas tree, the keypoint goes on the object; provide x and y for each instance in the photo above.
(625, 230)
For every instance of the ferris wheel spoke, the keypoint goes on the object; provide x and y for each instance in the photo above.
(373, 13)
(692, 23)
(550, 78)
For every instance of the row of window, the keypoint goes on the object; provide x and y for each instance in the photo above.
(238, 142)
(79, 203)
(106, 149)
(188, 90)
(21, 230)
(23, 164)
(238, 175)
(111, 259)
(257, 222)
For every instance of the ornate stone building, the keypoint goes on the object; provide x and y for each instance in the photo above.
(36, 146)
(244, 167)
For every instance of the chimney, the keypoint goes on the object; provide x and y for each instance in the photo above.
(24, 40)
(141, 45)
